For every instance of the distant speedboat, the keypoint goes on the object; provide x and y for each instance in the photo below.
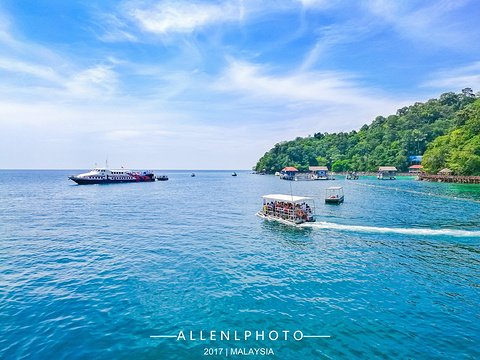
(162, 178)
(234, 174)
(104, 175)
(193, 175)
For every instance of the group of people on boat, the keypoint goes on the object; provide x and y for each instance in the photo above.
(287, 211)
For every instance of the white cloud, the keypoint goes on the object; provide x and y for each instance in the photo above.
(331, 36)
(97, 81)
(176, 114)
(124, 135)
(183, 17)
(33, 73)
(5, 28)
(61, 135)
(311, 87)
(116, 29)
(456, 78)
(39, 71)
(434, 23)
(47, 84)
(304, 102)
(317, 3)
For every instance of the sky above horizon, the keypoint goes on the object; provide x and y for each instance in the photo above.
(215, 84)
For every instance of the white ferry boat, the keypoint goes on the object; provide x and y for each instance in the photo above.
(103, 175)
(287, 209)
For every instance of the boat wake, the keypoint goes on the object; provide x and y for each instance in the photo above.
(387, 230)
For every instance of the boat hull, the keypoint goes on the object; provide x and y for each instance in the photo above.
(83, 181)
(283, 221)
(334, 201)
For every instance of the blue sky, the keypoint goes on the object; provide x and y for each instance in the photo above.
(215, 84)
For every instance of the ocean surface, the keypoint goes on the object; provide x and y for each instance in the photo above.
(150, 270)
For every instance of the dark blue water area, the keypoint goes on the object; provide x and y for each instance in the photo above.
(96, 271)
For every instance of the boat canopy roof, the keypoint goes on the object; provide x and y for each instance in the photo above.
(335, 188)
(286, 198)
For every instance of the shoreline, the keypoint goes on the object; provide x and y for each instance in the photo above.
(450, 179)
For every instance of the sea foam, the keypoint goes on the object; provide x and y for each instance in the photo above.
(391, 230)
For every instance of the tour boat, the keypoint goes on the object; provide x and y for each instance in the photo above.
(287, 209)
(334, 195)
(162, 177)
(103, 175)
(234, 174)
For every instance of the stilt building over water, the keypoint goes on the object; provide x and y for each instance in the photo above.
(387, 172)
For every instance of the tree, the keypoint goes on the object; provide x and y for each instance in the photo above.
(468, 93)
(321, 161)
(414, 130)
(341, 166)
(449, 99)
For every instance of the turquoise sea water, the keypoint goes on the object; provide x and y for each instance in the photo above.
(93, 272)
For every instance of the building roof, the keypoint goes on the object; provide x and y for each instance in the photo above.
(445, 171)
(286, 198)
(387, 168)
(289, 168)
(317, 168)
(416, 167)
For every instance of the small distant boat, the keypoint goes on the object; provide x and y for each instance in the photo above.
(234, 174)
(351, 176)
(334, 195)
(287, 209)
(162, 178)
(193, 175)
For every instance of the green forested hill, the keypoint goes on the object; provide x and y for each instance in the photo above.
(459, 149)
(389, 141)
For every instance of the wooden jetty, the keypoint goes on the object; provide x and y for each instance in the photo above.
(450, 179)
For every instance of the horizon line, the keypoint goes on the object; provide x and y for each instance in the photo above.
(80, 169)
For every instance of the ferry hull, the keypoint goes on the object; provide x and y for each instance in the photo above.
(82, 181)
(284, 221)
